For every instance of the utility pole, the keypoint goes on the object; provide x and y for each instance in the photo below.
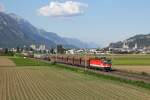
(56, 52)
(85, 62)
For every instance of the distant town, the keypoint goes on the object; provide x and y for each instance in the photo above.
(38, 50)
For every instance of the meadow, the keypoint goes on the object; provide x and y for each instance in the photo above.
(132, 60)
(21, 61)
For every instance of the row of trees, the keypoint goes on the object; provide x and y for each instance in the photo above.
(59, 49)
(6, 52)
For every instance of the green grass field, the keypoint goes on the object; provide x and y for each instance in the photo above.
(143, 60)
(20, 61)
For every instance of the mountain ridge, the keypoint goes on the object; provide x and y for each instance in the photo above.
(142, 40)
(20, 32)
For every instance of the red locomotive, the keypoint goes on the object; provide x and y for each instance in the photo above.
(101, 63)
(92, 63)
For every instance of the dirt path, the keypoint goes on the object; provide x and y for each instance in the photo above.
(5, 62)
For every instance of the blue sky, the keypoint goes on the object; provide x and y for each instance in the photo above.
(102, 22)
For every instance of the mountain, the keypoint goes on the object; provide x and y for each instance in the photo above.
(16, 31)
(79, 43)
(142, 40)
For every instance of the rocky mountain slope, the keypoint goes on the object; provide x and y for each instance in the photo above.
(16, 31)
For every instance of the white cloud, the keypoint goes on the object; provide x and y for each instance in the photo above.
(2, 7)
(66, 9)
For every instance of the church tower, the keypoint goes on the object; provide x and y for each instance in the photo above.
(125, 45)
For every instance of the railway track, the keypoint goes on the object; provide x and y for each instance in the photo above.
(132, 76)
(125, 75)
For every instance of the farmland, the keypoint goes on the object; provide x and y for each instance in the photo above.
(134, 63)
(50, 82)
(4, 61)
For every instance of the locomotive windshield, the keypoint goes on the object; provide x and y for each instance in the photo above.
(107, 61)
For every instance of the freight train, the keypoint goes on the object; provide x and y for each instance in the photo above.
(88, 62)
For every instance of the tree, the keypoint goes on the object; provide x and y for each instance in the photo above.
(52, 50)
(8, 53)
(18, 49)
(6, 50)
(60, 49)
